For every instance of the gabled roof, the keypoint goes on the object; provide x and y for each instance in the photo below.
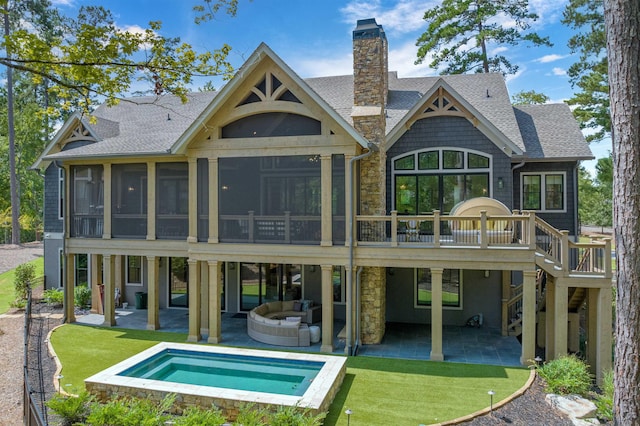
(146, 125)
(551, 133)
(254, 60)
(164, 125)
(76, 123)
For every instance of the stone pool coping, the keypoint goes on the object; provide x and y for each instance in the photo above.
(317, 398)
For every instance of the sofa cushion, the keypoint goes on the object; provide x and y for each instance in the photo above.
(261, 310)
(274, 306)
(287, 305)
(259, 318)
(272, 321)
(252, 313)
(291, 319)
(290, 324)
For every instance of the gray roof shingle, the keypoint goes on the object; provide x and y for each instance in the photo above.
(151, 125)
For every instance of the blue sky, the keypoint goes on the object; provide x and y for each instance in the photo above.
(314, 37)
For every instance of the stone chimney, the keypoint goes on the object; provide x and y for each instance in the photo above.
(370, 81)
(370, 84)
(370, 64)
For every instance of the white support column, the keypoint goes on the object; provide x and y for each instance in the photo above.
(561, 317)
(194, 301)
(436, 315)
(193, 201)
(69, 286)
(326, 188)
(107, 195)
(550, 319)
(214, 232)
(94, 267)
(109, 291)
(327, 308)
(528, 317)
(153, 295)
(215, 288)
(600, 330)
(151, 200)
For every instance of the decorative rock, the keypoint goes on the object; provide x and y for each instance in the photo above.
(580, 410)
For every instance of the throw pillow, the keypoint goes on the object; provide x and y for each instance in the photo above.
(297, 306)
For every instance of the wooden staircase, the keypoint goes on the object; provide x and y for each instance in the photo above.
(554, 257)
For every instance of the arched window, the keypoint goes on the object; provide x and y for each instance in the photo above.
(438, 179)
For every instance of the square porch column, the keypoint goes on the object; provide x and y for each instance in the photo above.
(528, 317)
(599, 329)
(151, 200)
(69, 285)
(194, 301)
(327, 309)
(193, 201)
(109, 291)
(436, 315)
(153, 296)
(561, 317)
(213, 201)
(96, 303)
(215, 317)
(326, 187)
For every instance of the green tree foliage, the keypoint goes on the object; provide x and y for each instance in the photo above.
(93, 57)
(460, 34)
(25, 274)
(530, 97)
(596, 194)
(589, 74)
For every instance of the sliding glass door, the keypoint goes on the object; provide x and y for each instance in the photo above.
(267, 282)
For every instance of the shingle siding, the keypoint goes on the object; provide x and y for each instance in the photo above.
(563, 221)
(52, 222)
(454, 132)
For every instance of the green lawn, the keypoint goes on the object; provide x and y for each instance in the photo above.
(379, 391)
(7, 292)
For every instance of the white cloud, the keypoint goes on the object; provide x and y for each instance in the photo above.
(404, 16)
(62, 2)
(550, 58)
(322, 66)
(498, 50)
(402, 60)
(559, 71)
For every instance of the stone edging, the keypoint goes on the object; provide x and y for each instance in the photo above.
(523, 389)
(52, 352)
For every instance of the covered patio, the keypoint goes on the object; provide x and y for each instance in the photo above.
(406, 341)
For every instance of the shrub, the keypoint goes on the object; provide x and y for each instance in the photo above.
(82, 296)
(24, 276)
(566, 375)
(293, 416)
(53, 297)
(604, 401)
(129, 411)
(72, 409)
(195, 416)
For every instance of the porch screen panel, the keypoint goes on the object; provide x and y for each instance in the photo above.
(338, 199)
(129, 200)
(172, 200)
(270, 199)
(203, 199)
(87, 207)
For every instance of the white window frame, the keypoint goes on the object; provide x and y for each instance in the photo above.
(444, 307)
(543, 189)
(142, 262)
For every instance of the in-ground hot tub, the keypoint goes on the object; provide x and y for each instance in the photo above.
(225, 377)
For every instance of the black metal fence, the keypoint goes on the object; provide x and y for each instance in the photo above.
(39, 367)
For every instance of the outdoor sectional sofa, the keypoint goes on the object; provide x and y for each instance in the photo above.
(282, 323)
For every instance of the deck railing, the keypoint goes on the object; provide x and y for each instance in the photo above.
(436, 230)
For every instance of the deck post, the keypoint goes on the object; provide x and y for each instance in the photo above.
(436, 315)
(151, 200)
(327, 309)
(153, 296)
(561, 317)
(528, 317)
(194, 301)
(109, 291)
(213, 211)
(215, 319)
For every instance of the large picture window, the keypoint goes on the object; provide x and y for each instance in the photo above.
(439, 179)
(544, 191)
(451, 288)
